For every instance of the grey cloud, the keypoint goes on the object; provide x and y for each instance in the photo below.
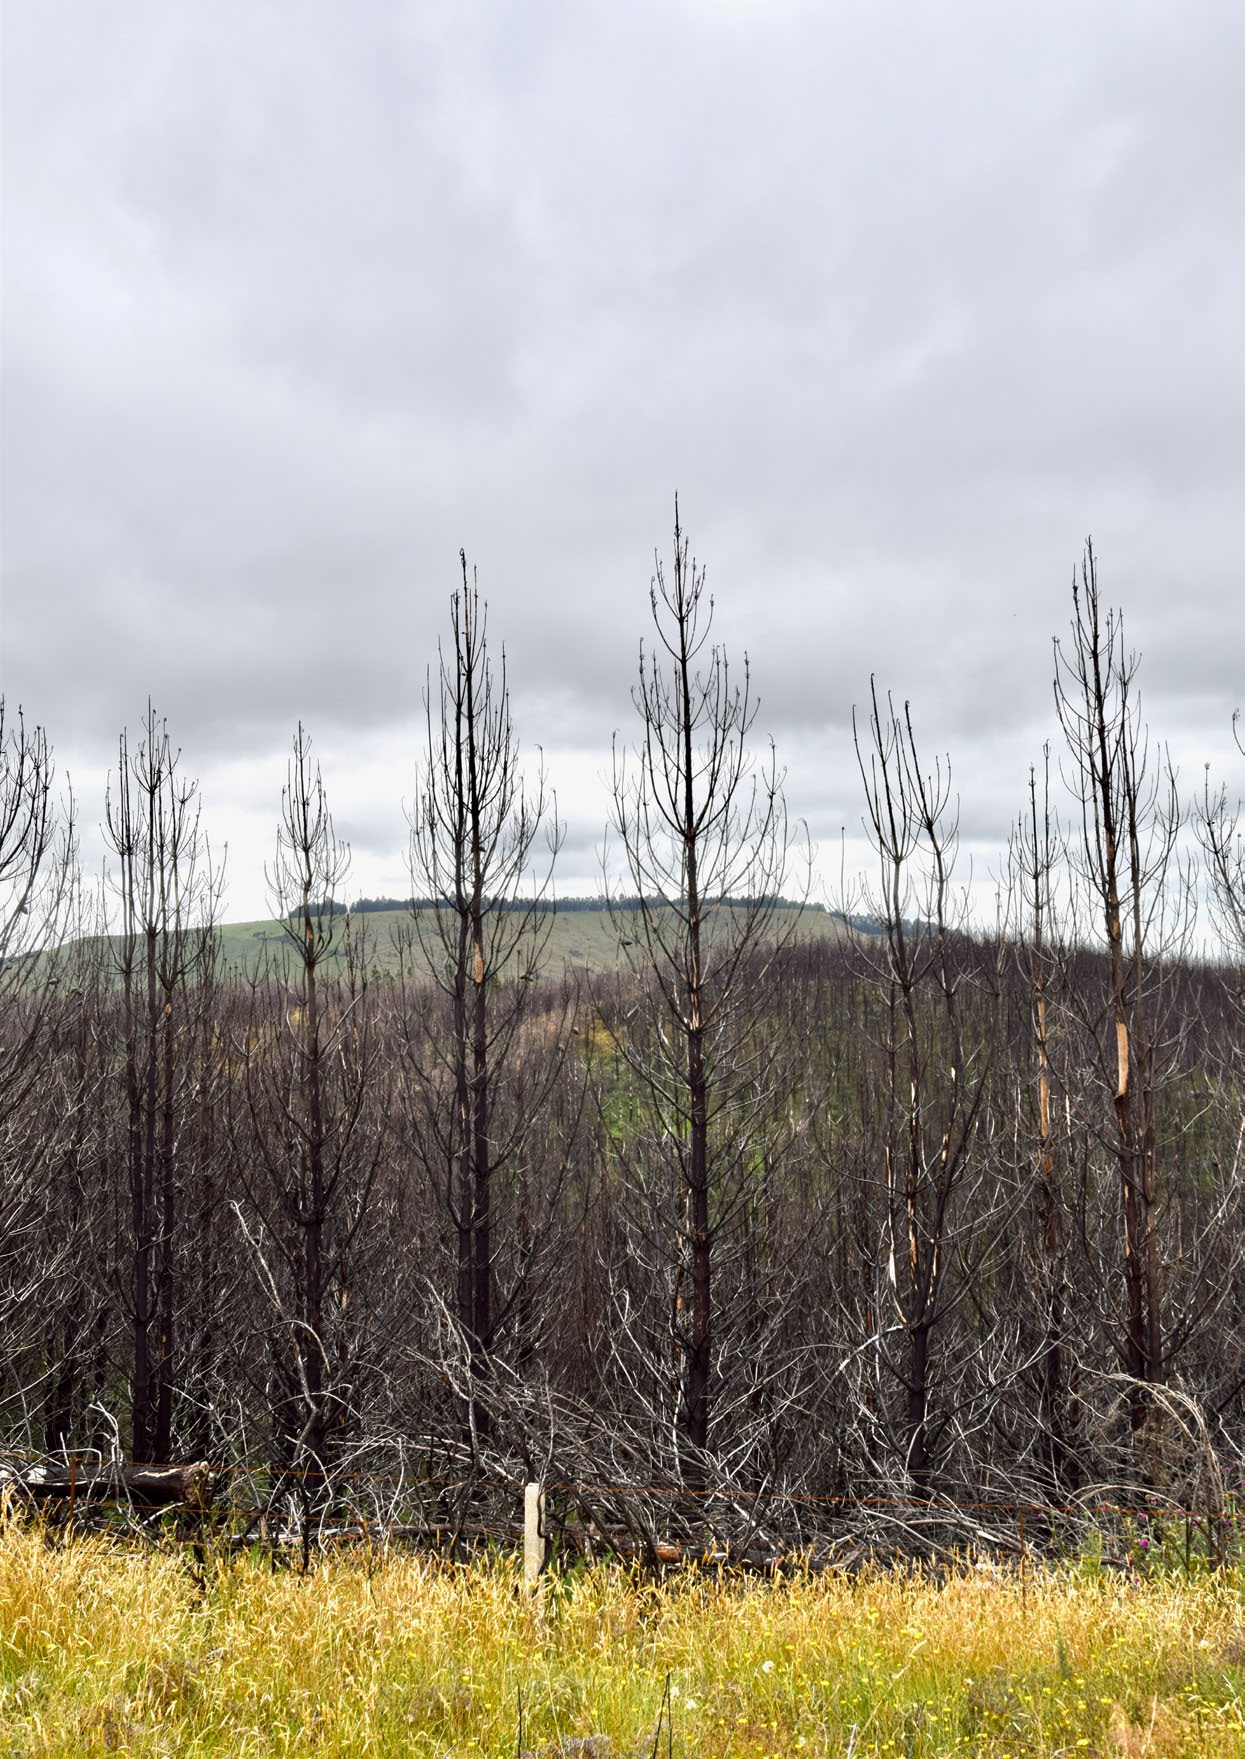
(903, 301)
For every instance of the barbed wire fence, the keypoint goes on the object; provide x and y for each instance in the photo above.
(605, 1488)
(288, 1511)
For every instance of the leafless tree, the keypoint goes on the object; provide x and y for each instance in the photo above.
(486, 1047)
(38, 896)
(1037, 860)
(166, 893)
(703, 841)
(1218, 825)
(1137, 903)
(1219, 830)
(38, 855)
(936, 1040)
(308, 1141)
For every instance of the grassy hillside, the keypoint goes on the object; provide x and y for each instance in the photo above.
(583, 940)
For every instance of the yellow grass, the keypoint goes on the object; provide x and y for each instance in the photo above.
(105, 1649)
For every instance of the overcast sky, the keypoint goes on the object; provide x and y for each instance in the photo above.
(903, 300)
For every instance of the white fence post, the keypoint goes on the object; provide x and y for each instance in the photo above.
(533, 1533)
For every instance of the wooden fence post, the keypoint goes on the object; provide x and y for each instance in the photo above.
(533, 1534)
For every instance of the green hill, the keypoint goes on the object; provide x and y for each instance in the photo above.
(582, 936)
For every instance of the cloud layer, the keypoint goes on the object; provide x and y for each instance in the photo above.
(902, 300)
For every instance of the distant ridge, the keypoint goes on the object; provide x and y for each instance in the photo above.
(555, 906)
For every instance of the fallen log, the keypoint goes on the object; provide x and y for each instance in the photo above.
(146, 1487)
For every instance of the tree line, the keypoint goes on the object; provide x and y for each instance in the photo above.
(924, 1212)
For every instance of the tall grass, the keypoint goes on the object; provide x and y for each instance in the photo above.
(108, 1649)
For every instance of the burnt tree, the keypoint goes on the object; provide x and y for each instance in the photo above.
(702, 836)
(166, 897)
(1135, 903)
(486, 1047)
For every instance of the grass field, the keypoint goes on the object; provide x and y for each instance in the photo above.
(108, 1650)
